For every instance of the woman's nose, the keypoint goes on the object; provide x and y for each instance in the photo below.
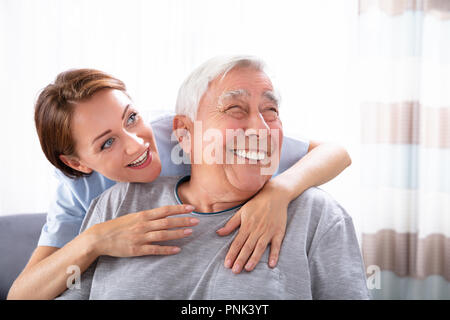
(133, 143)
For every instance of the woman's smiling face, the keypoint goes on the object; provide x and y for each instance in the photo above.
(112, 139)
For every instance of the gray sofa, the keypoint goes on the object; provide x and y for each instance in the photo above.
(19, 234)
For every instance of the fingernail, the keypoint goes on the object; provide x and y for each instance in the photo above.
(272, 263)
(194, 220)
(249, 266)
(187, 231)
(189, 207)
(176, 250)
(228, 263)
(236, 268)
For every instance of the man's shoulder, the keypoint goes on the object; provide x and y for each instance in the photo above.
(115, 191)
(105, 204)
(127, 197)
(162, 185)
(319, 205)
(162, 182)
(121, 189)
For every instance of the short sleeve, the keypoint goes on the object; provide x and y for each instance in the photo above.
(64, 218)
(68, 207)
(292, 151)
(336, 265)
(168, 148)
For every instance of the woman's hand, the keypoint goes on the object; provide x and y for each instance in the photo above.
(263, 221)
(133, 234)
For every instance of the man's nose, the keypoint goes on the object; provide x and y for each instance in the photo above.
(257, 123)
(133, 143)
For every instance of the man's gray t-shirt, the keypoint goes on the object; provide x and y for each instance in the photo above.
(319, 259)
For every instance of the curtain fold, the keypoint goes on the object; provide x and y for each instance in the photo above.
(404, 94)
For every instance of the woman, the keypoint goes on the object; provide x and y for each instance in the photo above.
(87, 125)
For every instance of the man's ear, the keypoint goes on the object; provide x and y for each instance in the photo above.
(181, 130)
(74, 163)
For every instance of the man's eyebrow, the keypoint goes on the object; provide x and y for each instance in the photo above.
(272, 96)
(233, 94)
(101, 135)
(125, 111)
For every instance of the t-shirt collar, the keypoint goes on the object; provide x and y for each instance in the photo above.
(187, 178)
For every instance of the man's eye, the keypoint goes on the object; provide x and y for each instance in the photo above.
(270, 114)
(108, 143)
(235, 110)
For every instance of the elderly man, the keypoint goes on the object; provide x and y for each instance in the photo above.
(320, 255)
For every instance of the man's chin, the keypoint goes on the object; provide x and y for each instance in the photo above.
(249, 183)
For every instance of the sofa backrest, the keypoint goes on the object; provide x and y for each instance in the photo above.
(19, 234)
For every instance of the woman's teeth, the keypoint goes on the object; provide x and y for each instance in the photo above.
(252, 155)
(139, 160)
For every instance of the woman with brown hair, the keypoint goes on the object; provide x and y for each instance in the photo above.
(90, 130)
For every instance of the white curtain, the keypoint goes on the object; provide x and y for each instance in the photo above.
(405, 120)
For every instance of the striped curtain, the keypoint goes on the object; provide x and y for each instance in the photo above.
(404, 94)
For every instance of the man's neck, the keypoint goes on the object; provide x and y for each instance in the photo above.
(209, 196)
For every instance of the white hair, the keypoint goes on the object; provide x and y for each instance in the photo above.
(196, 84)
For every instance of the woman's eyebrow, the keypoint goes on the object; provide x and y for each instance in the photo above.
(101, 135)
(125, 111)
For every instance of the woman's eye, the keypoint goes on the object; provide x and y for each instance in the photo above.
(108, 143)
(132, 118)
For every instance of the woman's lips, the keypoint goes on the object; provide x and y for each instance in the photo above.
(147, 161)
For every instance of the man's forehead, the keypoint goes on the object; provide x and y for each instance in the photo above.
(242, 78)
(243, 94)
(241, 84)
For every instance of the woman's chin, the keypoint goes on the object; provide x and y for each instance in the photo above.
(152, 173)
(145, 175)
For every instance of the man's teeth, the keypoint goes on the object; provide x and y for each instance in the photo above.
(252, 155)
(139, 160)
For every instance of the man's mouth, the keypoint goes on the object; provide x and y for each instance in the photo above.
(250, 154)
(140, 160)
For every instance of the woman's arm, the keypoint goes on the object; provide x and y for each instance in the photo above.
(44, 277)
(46, 274)
(263, 219)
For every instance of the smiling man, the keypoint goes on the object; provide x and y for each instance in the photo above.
(246, 124)
(320, 256)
